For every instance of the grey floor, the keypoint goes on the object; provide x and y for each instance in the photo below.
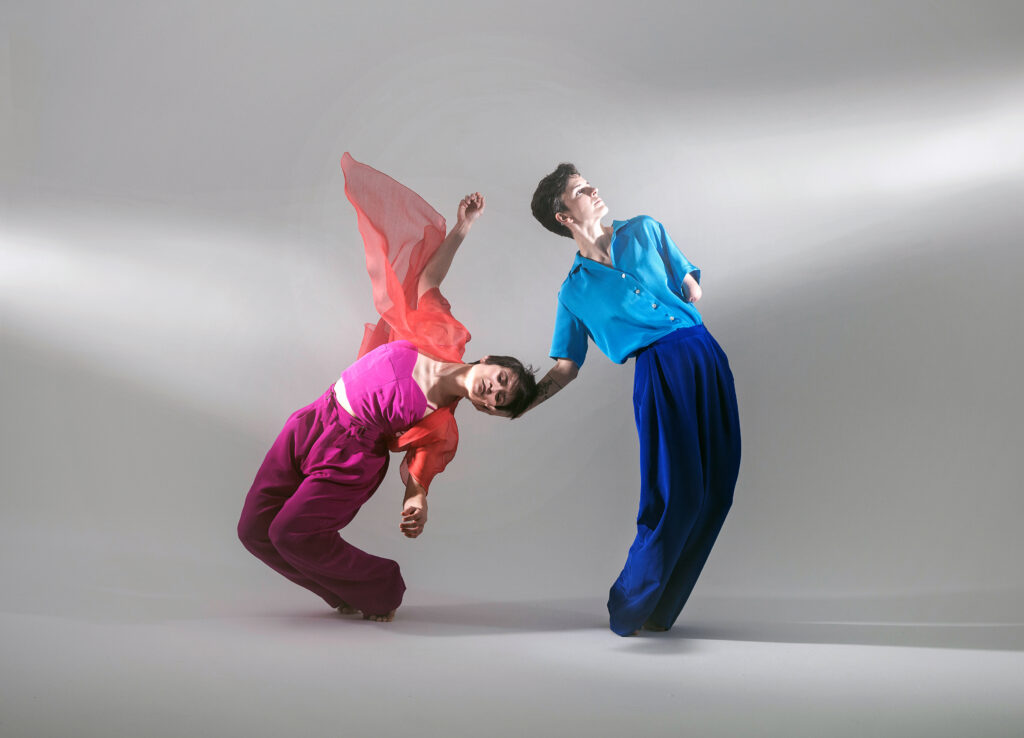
(128, 665)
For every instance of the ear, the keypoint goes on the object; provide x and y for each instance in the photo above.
(563, 217)
(484, 359)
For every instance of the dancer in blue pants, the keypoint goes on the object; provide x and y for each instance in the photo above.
(632, 292)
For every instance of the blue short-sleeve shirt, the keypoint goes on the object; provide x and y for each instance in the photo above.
(630, 304)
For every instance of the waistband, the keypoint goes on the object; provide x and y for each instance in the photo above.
(332, 413)
(681, 334)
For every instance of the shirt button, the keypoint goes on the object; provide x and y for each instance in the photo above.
(671, 317)
(654, 305)
(623, 275)
(636, 291)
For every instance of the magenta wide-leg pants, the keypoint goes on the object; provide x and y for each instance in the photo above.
(321, 469)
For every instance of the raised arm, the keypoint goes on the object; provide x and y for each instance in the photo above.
(563, 372)
(470, 208)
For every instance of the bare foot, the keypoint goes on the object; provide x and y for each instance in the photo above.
(386, 618)
(346, 609)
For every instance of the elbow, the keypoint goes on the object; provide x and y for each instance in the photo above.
(569, 369)
(426, 283)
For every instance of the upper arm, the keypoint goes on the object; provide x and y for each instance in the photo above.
(569, 341)
(566, 368)
(675, 260)
(425, 285)
(432, 300)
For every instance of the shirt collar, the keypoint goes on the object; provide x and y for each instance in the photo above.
(578, 263)
(581, 261)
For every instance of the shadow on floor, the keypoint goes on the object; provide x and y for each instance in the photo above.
(866, 621)
(988, 620)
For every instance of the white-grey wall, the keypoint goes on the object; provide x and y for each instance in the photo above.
(179, 269)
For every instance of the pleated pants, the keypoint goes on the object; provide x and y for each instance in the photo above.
(321, 469)
(687, 420)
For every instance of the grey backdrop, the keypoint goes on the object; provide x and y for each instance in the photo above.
(179, 270)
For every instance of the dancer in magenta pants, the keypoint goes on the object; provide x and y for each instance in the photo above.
(398, 396)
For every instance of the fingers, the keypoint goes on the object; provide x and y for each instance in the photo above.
(413, 520)
(473, 202)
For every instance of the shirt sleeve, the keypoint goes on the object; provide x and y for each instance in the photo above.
(679, 266)
(426, 462)
(429, 446)
(570, 337)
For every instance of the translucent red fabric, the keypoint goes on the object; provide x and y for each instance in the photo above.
(400, 233)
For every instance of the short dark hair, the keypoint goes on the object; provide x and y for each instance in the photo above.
(547, 198)
(526, 384)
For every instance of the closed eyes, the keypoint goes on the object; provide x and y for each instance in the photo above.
(499, 397)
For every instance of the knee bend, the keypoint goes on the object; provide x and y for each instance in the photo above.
(285, 532)
(251, 531)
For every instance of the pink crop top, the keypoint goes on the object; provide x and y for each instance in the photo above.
(381, 390)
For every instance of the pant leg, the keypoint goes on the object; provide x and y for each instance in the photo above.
(305, 534)
(276, 481)
(321, 469)
(671, 484)
(719, 433)
(689, 447)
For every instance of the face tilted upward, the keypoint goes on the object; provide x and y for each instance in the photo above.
(582, 203)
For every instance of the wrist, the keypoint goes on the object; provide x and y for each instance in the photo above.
(415, 495)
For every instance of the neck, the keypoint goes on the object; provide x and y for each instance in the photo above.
(594, 240)
(442, 382)
(451, 380)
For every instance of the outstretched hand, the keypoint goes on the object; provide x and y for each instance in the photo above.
(471, 207)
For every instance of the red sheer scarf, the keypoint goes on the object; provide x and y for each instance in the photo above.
(401, 232)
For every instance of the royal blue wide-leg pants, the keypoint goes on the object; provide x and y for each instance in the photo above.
(688, 423)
